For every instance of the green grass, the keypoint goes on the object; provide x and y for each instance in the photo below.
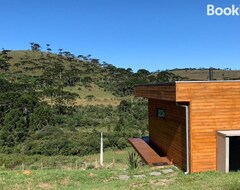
(18, 161)
(101, 97)
(109, 179)
(94, 90)
(69, 177)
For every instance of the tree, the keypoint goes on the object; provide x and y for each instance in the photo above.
(50, 93)
(165, 76)
(4, 60)
(41, 116)
(120, 124)
(48, 48)
(58, 70)
(71, 76)
(35, 46)
(87, 79)
(124, 106)
(26, 104)
(7, 101)
(5, 86)
(95, 61)
(151, 78)
(143, 72)
(15, 128)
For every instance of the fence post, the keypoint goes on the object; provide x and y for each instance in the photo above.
(113, 162)
(23, 166)
(76, 164)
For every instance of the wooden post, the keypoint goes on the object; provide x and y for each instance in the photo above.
(113, 162)
(76, 165)
(23, 166)
(101, 151)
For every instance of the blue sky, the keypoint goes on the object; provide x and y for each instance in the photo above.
(149, 34)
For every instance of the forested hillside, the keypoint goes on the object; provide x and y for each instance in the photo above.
(58, 103)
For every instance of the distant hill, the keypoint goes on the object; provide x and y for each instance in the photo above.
(101, 82)
(203, 74)
(83, 75)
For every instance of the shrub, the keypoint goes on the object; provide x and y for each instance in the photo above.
(133, 160)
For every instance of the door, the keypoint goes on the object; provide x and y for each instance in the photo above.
(234, 153)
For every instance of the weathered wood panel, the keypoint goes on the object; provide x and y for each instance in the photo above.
(149, 156)
(162, 92)
(168, 134)
(214, 106)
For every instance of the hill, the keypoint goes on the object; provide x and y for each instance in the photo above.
(58, 103)
(91, 79)
(203, 74)
(75, 73)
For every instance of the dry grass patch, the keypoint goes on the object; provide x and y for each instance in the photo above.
(104, 102)
(65, 181)
(45, 186)
(161, 182)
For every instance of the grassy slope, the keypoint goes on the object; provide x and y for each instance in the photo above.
(20, 53)
(106, 98)
(101, 97)
(198, 74)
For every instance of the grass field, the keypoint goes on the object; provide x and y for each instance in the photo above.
(108, 178)
(94, 90)
(18, 161)
(102, 97)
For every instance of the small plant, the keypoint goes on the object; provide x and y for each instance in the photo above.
(133, 160)
(90, 97)
(90, 166)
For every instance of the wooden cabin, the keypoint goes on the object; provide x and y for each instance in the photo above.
(187, 117)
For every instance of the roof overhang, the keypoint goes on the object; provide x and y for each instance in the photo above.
(184, 91)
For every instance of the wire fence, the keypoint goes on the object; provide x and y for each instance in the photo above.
(77, 165)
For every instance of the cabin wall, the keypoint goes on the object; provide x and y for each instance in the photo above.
(164, 92)
(214, 107)
(168, 134)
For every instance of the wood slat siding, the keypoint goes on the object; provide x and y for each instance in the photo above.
(168, 134)
(164, 92)
(214, 106)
